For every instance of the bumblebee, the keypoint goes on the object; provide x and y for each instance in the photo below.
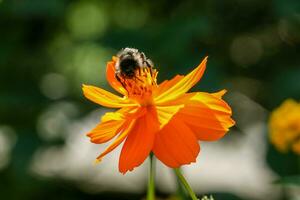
(129, 62)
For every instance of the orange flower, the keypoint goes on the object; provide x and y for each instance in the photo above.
(160, 118)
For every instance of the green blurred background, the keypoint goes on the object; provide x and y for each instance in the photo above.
(48, 48)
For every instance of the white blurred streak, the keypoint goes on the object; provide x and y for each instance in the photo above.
(165, 178)
(293, 192)
(74, 161)
(8, 140)
(53, 122)
(236, 164)
(246, 112)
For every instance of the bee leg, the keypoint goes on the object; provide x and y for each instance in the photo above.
(138, 79)
(142, 55)
(149, 63)
(122, 83)
(118, 78)
(149, 66)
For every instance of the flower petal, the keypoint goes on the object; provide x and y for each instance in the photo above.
(104, 97)
(219, 94)
(125, 112)
(176, 144)
(165, 113)
(105, 131)
(167, 84)
(111, 124)
(139, 142)
(111, 78)
(115, 116)
(126, 128)
(182, 86)
(207, 115)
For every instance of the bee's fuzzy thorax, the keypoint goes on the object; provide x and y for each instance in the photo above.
(129, 60)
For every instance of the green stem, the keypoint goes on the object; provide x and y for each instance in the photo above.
(181, 191)
(151, 181)
(185, 184)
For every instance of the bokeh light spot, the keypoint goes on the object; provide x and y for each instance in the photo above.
(8, 140)
(130, 15)
(80, 63)
(86, 20)
(54, 86)
(245, 51)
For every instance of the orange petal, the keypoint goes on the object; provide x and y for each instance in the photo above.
(105, 131)
(182, 86)
(125, 112)
(176, 144)
(167, 84)
(139, 142)
(104, 97)
(111, 78)
(116, 116)
(165, 113)
(208, 116)
(219, 94)
(124, 132)
(111, 124)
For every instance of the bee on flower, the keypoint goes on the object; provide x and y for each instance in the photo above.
(284, 126)
(164, 118)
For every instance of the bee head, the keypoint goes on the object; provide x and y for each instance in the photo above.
(130, 60)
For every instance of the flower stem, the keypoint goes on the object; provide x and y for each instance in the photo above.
(151, 181)
(185, 184)
(181, 191)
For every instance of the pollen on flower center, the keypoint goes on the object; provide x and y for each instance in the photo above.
(140, 86)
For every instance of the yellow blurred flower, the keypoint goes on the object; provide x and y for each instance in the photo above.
(284, 126)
